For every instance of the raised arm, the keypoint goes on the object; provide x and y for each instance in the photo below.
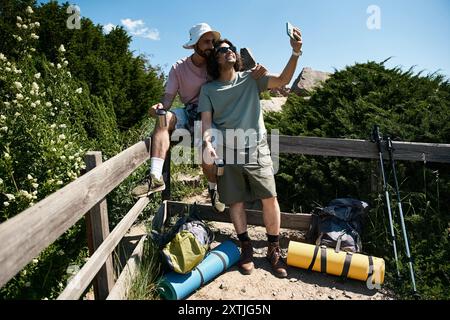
(286, 76)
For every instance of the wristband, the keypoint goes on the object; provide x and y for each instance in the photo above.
(297, 54)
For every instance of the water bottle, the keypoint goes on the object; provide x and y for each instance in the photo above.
(162, 121)
(220, 165)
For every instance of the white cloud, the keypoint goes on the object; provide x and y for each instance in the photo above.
(137, 28)
(107, 29)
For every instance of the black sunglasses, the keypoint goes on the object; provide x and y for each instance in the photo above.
(224, 50)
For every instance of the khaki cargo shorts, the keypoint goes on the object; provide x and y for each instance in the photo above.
(252, 180)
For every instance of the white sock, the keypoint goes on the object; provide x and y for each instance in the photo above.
(212, 185)
(156, 167)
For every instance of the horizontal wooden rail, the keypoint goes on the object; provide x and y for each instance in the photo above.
(24, 236)
(83, 278)
(410, 151)
(298, 221)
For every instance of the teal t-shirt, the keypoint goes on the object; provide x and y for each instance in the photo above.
(235, 105)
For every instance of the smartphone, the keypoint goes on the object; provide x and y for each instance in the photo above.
(248, 61)
(290, 31)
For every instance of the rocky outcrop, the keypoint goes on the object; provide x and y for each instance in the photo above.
(273, 105)
(308, 81)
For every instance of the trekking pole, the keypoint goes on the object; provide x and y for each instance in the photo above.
(376, 137)
(405, 236)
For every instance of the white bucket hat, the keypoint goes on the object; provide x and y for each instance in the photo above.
(196, 33)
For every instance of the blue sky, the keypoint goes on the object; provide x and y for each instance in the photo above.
(335, 33)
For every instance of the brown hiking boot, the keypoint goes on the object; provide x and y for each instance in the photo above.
(274, 256)
(245, 263)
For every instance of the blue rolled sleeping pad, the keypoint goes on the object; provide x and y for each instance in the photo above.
(177, 286)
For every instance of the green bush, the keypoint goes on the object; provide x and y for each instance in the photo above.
(409, 107)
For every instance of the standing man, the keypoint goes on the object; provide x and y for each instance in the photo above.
(231, 101)
(185, 78)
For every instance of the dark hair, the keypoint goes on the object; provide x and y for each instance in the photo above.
(213, 66)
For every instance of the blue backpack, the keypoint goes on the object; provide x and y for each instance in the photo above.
(339, 225)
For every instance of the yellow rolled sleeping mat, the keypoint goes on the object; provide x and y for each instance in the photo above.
(327, 260)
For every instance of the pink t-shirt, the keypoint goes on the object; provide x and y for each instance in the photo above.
(186, 79)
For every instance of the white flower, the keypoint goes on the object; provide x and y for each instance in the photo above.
(35, 86)
(35, 185)
(17, 114)
(2, 57)
(18, 85)
(62, 126)
(54, 149)
(29, 10)
(7, 104)
(24, 26)
(61, 137)
(18, 25)
(5, 129)
(10, 197)
(52, 114)
(34, 118)
(38, 102)
(6, 204)
(63, 157)
(51, 64)
(59, 182)
(34, 36)
(19, 19)
(48, 104)
(2, 117)
(29, 177)
(37, 24)
(66, 63)
(61, 48)
(1, 181)
(19, 38)
(19, 96)
(53, 126)
(59, 66)
(8, 69)
(79, 90)
(33, 105)
(71, 157)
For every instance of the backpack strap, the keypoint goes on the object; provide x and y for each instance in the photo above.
(316, 251)
(348, 261)
(338, 244)
(323, 259)
(371, 269)
(202, 278)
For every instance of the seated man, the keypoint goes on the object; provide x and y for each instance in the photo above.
(231, 101)
(185, 78)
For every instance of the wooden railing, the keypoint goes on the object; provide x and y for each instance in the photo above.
(26, 235)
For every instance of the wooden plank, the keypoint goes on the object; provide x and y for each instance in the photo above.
(298, 221)
(24, 236)
(120, 289)
(97, 226)
(83, 278)
(410, 151)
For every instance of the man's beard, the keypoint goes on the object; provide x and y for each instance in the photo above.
(203, 53)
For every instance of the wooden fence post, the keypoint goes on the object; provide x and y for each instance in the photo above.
(166, 176)
(97, 226)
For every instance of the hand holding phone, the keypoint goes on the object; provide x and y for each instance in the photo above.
(290, 32)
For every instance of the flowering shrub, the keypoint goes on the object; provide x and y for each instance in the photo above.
(40, 144)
